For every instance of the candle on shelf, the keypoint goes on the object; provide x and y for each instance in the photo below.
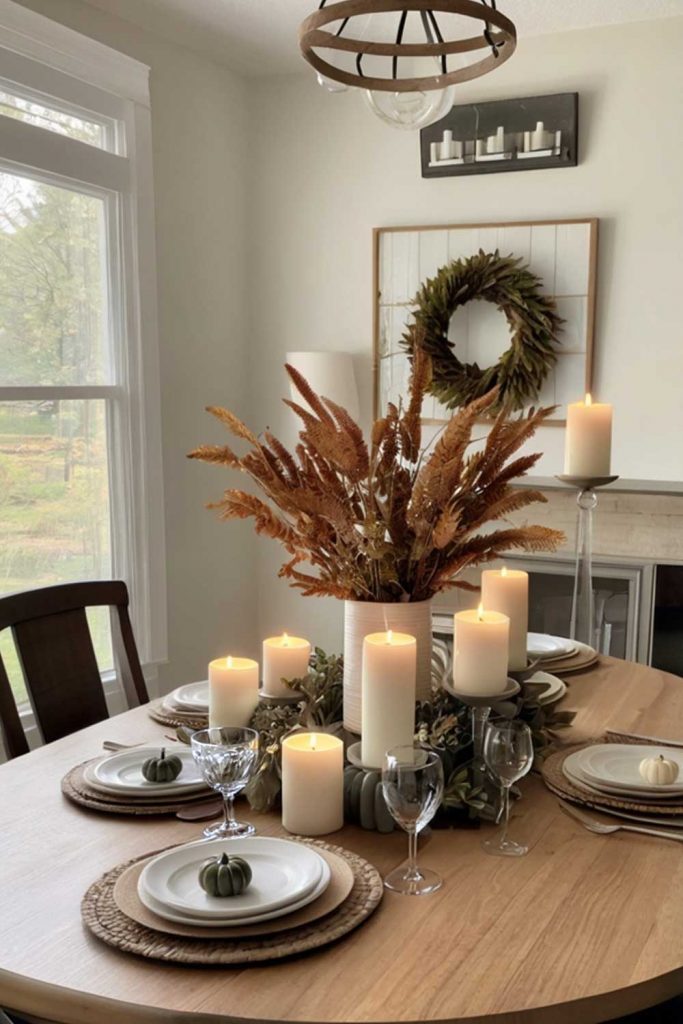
(507, 591)
(284, 657)
(233, 691)
(480, 652)
(588, 442)
(312, 783)
(388, 694)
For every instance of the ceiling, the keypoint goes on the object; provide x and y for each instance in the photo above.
(259, 37)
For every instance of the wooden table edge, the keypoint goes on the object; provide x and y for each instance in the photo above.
(37, 1001)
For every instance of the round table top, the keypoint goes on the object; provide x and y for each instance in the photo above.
(584, 927)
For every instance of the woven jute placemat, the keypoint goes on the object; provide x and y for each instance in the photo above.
(160, 711)
(557, 781)
(76, 789)
(341, 883)
(105, 920)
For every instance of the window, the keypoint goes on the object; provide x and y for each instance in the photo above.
(80, 490)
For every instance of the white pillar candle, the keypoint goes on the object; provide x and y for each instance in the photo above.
(480, 652)
(500, 139)
(434, 149)
(388, 694)
(284, 657)
(233, 691)
(507, 591)
(588, 442)
(312, 783)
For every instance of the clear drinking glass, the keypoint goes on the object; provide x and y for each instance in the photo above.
(412, 781)
(227, 759)
(509, 754)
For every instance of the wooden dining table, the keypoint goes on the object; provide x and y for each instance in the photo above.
(584, 928)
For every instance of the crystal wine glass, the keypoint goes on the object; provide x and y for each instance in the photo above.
(227, 758)
(412, 782)
(509, 754)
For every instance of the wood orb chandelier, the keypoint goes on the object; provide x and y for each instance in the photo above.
(498, 35)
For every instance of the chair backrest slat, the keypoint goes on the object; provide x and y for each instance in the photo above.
(55, 650)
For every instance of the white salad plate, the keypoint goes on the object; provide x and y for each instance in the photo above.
(192, 696)
(153, 794)
(122, 773)
(556, 688)
(543, 645)
(235, 922)
(648, 794)
(618, 765)
(283, 873)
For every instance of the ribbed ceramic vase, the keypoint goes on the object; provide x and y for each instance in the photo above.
(363, 617)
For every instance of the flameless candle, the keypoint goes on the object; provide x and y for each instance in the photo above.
(388, 694)
(312, 783)
(480, 652)
(588, 443)
(284, 657)
(507, 591)
(233, 691)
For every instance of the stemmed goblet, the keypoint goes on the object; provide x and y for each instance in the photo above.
(509, 754)
(412, 782)
(227, 758)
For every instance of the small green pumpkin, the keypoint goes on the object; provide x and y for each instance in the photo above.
(364, 802)
(225, 875)
(162, 768)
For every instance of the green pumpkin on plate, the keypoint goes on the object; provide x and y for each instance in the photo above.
(162, 768)
(225, 875)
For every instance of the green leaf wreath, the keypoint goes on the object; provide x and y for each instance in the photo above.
(532, 317)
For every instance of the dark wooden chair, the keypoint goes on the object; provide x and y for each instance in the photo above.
(55, 650)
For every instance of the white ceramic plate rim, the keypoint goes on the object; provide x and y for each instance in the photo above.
(202, 922)
(185, 697)
(575, 776)
(143, 795)
(305, 859)
(593, 772)
(539, 644)
(557, 687)
(136, 756)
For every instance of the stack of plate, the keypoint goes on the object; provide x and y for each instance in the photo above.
(188, 704)
(286, 877)
(613, 770)
(559, 654)
(120, 778)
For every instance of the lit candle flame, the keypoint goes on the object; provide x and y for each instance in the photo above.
(228, 661)
(285, 640)
(504, 571)
(314, 741)
(390, 636)
(589, 399)
(480, 612)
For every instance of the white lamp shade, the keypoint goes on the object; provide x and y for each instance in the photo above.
(330, 374)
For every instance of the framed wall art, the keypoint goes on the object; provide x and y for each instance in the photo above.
(562, 253)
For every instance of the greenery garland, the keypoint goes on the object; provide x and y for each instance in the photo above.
(532, 317)
(442, 723)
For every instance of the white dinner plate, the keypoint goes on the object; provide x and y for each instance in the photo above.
(618, 765)
(575, 776)
(122, 772)
(556, 688)
(283, 872)
(204, 922)
(142, 796)
(193, 696)
(543, 645)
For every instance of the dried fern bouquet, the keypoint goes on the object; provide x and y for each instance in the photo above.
(387, 521)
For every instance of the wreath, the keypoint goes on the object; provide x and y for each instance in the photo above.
(531, 316)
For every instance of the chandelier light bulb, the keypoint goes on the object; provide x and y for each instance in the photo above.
(329, 85)
(411, 111)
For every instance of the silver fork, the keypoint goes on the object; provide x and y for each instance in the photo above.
(600, 829)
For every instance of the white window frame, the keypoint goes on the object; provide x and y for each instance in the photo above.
(41, 56)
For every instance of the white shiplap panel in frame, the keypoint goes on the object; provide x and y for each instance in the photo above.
(458, 333)
(542, 258)
(462, 243)
(404, 280)
(488, 239)
(572, 261)
(489, 334)
(515, 241)
(574, 312)
(433, 253)
(570, 381)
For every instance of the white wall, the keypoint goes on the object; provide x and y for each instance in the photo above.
(326, 171)
(200, 128)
